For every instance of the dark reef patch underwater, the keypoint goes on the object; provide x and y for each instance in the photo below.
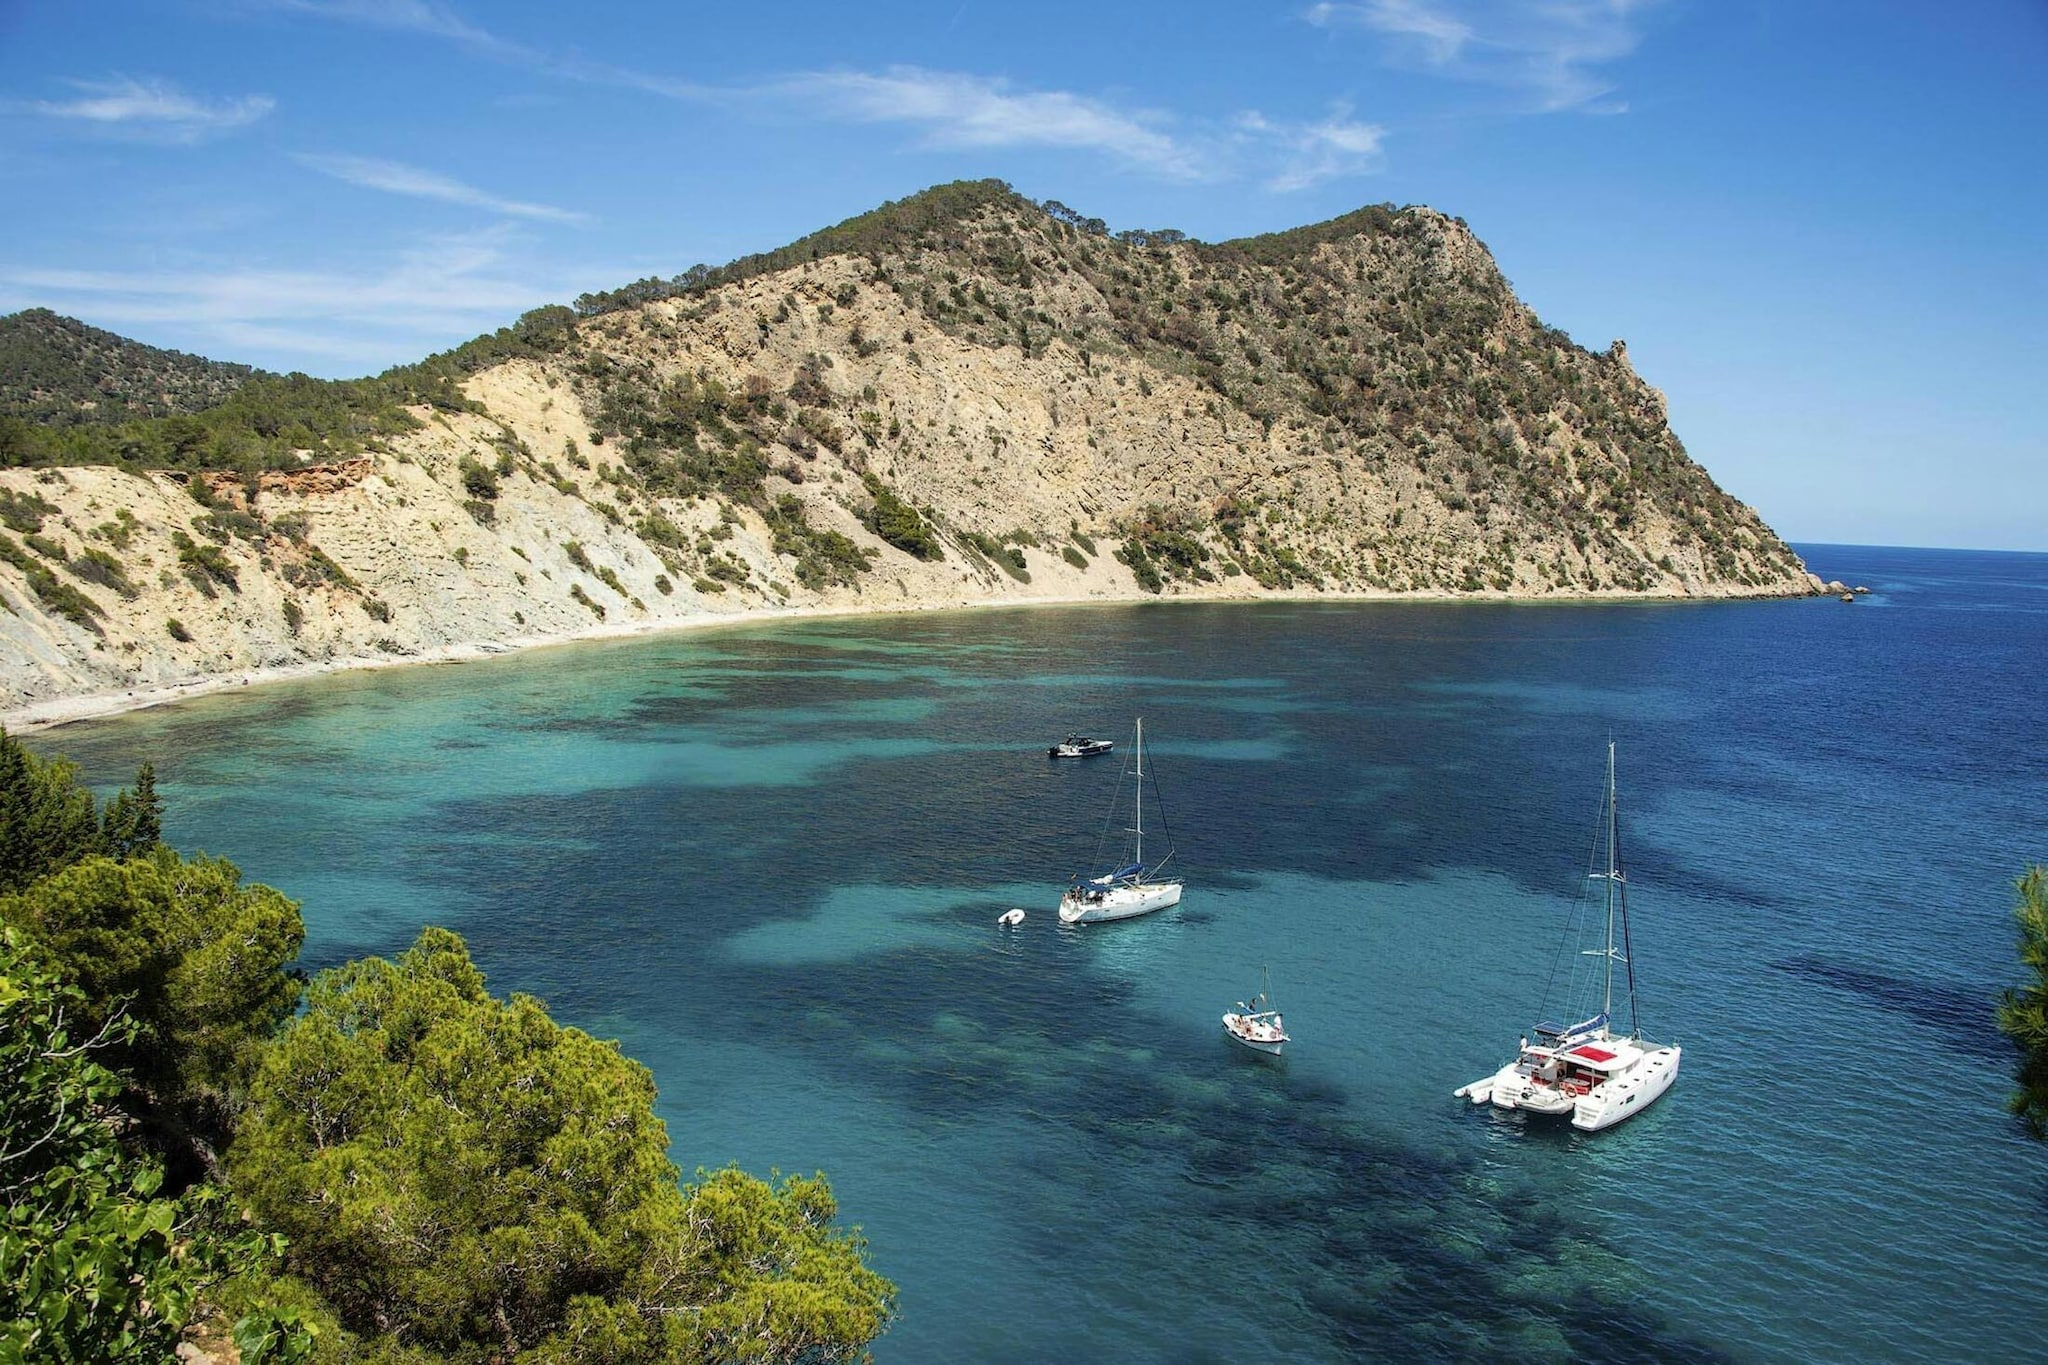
(770, 860)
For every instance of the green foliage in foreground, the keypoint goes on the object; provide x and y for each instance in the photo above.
(97, 1264)
(462, 1180)
(191, 958)
(48, 821)
(2023, 1013)
(196, 959)
(465, 1177)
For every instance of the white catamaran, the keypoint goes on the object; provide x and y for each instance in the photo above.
(1127, 889)
(1588, 1070)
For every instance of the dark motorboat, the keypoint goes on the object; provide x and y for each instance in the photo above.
(1080, 746)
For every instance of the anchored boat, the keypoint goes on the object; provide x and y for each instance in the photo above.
(1256, 1023)
(1129, 888)
(1590, 1070)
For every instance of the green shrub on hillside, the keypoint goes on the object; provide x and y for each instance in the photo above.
(2023, 1013)
(1132, 553)
(900, 524)
(54, 593)
(1008, 558)
(204, 565)
(822, 557)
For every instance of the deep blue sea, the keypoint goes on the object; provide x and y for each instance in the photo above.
(769, 860)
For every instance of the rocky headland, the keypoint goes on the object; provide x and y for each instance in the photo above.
(960, 398)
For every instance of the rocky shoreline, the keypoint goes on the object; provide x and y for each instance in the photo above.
(53, 712)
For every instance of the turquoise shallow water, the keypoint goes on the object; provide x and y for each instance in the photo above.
(769, 861)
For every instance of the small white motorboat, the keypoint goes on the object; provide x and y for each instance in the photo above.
(1010, 918)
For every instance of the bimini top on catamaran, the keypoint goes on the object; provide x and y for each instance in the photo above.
(1587, 1069)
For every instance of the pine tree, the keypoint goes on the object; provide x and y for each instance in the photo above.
(47, 819)
(463, 1175)
(2023, 1013)
(97, 1261)
(132, 824)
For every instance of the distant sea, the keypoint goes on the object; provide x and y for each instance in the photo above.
(769, 861)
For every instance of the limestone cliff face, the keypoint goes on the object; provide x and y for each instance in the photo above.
(997, 406)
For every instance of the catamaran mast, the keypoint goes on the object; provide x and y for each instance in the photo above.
(1613, 879)
(1628, 953)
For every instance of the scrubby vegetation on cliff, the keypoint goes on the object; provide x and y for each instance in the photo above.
(1386, 338)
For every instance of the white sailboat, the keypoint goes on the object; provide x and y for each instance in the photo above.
(1589, 1070)
(1256, 1023)
(1127, 889)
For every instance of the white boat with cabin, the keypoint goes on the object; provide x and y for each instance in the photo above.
(1590, 1070)
(1130, 888)
(1256, 1023)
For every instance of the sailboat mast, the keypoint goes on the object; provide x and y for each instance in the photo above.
(1140, 831)
(1607, 999)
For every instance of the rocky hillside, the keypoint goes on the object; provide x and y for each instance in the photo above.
(962, 397)
(57, 370)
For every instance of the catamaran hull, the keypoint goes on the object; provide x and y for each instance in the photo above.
(1124, 902)
(1628, 1094)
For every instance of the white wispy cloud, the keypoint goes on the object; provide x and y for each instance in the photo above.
(947, 109)
(1442, 35)
(1547, 52)
(394, 177)
(957, 109)
(1333, 148)
(404, 16)
(153, 108)
(341, 319)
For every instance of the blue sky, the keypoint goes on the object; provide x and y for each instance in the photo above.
(1820, 226)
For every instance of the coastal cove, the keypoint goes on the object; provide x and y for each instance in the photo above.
(769, 859)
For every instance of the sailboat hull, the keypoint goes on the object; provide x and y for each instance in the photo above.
(1119, 902)
(1247, 1033)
